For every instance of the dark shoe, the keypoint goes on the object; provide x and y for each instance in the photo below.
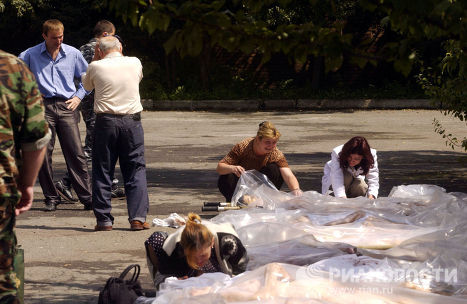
(50, 206)
(102, 228)
(137, 225)
(87, 206)
(150, 293)
(118, 192)
(65, 191)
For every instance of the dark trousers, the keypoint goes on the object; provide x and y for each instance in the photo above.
(119, 137)
(89, 117)
(64, 123)
(227, 183)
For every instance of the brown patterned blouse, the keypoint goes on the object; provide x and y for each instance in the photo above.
(242, 154)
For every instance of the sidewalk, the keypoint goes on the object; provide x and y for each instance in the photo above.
(67, 262)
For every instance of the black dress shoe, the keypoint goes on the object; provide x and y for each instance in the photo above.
(50, 206)
(87, 206)
(118, 192)
(65, 192)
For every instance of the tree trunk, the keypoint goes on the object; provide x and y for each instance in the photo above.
(316, 72)
(173, 70)
(168, 71)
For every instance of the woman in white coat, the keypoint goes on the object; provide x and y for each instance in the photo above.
(348, 168)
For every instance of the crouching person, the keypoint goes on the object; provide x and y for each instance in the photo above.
(195, 249)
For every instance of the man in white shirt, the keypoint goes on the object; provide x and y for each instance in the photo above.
(118, 132)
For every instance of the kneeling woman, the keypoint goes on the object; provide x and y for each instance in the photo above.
(195, 249)
(260, 153)
(348, 168)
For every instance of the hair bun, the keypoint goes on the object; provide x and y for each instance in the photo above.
(268, 130)
(193, 217)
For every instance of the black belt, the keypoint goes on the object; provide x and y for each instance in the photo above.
(135, 116)
(54, 99)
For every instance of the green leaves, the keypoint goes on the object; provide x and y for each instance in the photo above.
(128, 10)
(450, 140)
(153, 20)
(193, 40)
(20, 7)
(403, 65)
(417, 23)
(266, 27)
(345, 31)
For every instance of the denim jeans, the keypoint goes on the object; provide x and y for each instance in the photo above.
(119, 137)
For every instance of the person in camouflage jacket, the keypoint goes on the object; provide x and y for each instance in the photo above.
(24, 135)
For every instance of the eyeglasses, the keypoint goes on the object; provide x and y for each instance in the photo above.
(119, 39)
(116, 36)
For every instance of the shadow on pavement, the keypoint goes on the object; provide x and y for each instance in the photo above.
(444, 169)
(54, 228)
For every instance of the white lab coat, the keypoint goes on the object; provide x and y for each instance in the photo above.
(334, 176)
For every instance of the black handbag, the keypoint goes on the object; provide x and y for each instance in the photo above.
(121, 291)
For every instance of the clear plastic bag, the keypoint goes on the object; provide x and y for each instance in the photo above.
(173, 220)
(283, 283)
(418, 231)
(304, 250)
(255, 190)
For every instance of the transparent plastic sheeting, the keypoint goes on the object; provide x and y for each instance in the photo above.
(173, 220)
(418, 232)
(284, 283)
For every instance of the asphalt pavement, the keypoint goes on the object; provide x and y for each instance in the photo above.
(68, 262)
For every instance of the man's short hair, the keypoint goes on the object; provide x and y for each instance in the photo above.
(109, 43)
(52, 25)
(103, 26)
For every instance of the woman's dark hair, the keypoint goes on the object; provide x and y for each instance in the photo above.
(357, 145)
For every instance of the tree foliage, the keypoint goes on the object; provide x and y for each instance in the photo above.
(445, 23)
(320, 28)
(296, 29)
(20, 7)
(417, 37)
(23, 19)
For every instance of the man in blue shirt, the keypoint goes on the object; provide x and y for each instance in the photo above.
(56, 66)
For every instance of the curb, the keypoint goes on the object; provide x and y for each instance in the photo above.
(252, 105)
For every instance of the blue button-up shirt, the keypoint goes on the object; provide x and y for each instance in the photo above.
(56, 77)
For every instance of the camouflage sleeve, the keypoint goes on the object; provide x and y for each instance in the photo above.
(88, 50)
(34, 132)
(24, 99)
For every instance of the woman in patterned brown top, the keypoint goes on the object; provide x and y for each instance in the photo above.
(260, 153)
